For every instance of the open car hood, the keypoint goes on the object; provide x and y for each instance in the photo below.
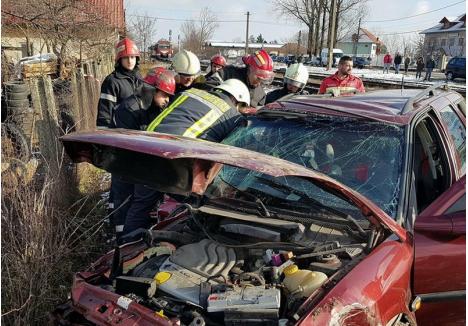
(180, 165)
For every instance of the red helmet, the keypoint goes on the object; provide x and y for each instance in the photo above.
(162, 79)
(261, 64)
(126, 48)
(219, 60)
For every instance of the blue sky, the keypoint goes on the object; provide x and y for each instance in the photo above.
(268, 22)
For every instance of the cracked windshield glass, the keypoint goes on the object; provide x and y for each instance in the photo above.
(366, 156)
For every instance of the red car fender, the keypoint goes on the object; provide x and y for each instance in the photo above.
(372, 293)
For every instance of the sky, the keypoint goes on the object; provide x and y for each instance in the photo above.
(265, 19)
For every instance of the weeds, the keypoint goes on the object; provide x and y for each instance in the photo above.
(46, 236)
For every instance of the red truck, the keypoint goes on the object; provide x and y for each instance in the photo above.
(162, 50)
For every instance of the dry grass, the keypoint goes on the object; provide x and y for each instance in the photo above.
(46, 236)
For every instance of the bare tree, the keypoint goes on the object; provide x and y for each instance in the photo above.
(195, 33)
(61, 24)
(143, 29)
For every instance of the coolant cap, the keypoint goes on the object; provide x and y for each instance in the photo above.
(291, 269)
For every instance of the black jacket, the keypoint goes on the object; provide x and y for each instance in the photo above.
(187, 116)
(279, 93)
(136, 111)
(397, 59)
(257, 94)
(116, 87)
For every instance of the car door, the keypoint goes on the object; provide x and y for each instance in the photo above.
(440, 251)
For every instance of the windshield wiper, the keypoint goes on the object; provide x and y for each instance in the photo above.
(288, 190)
(256, 199)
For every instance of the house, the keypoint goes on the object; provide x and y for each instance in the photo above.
(367, 45)
(28, 33)
(446, 39)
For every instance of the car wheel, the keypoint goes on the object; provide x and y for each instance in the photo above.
(450, 75)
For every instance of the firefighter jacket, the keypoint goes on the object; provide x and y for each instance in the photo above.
(281, 92)
(117, 86)
(257, 94)
(197, 113)
(344, 85)
(136, 111)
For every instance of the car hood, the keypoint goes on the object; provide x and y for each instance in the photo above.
(180, 165)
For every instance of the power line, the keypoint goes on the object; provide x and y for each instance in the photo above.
(423, 13)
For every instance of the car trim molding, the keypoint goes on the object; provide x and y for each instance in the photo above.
(443, 296)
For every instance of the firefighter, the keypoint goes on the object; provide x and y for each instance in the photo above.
(258, 72)
(295, 79)
(121, 83)
(217, 63)
(187, 68)
(136, 112)
(194, 113)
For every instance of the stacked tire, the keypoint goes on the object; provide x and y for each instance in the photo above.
(19, 110)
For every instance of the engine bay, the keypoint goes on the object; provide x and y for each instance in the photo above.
(222, 267)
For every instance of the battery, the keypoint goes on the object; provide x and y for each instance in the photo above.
(250, 297)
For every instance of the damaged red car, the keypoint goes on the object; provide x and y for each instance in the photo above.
(319, 211)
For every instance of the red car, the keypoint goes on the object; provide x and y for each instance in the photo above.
(320, 211)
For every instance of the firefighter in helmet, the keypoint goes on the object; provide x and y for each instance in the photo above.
(121, 83)
(187, 68)
(136, 112)
(295, 79)
(217, 63)
(257, 73)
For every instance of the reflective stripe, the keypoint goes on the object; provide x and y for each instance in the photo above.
(108, 97)
(201, 125)
(152, 126)
(119, 228)
(208, 99)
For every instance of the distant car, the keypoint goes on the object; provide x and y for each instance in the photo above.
(273, 57)
(314, 61)
(366, 192)
(456, 68)
(280, 59)
(360, 62)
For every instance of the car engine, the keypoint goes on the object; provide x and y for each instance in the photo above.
(223, 267)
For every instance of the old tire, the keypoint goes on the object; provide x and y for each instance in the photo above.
(14, 143)
(24, 103)
(16, 87)
(17, 96)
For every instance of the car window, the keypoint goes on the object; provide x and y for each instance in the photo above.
(457, 132)
(458, 206)
(366, 156)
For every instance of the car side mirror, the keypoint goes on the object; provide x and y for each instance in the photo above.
(446, 225)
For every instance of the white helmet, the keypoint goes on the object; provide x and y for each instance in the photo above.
(185, 62)
(237, 89)
(296, 75)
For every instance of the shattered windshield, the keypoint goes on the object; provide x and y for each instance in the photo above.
(366, 156)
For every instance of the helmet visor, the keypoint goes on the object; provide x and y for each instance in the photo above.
(294, 83)
(265, 76)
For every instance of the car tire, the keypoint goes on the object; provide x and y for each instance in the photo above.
(17, 104)
(16, 87)
(450, 75)
(17, 96)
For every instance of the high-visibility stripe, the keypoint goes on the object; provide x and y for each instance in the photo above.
(202, 124)
(152, 126)
(108, 97)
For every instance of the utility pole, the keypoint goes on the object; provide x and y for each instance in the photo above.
(298, 43)
(247, 35)
(356, 40)
(178, 42)
(331, 39)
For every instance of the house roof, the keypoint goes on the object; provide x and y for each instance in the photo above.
(241, 45)
(448, 24)
(364, 37)
(111, 11)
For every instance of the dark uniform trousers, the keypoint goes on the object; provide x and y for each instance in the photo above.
(196, 114)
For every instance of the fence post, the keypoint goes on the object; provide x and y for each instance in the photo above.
(77, 117)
